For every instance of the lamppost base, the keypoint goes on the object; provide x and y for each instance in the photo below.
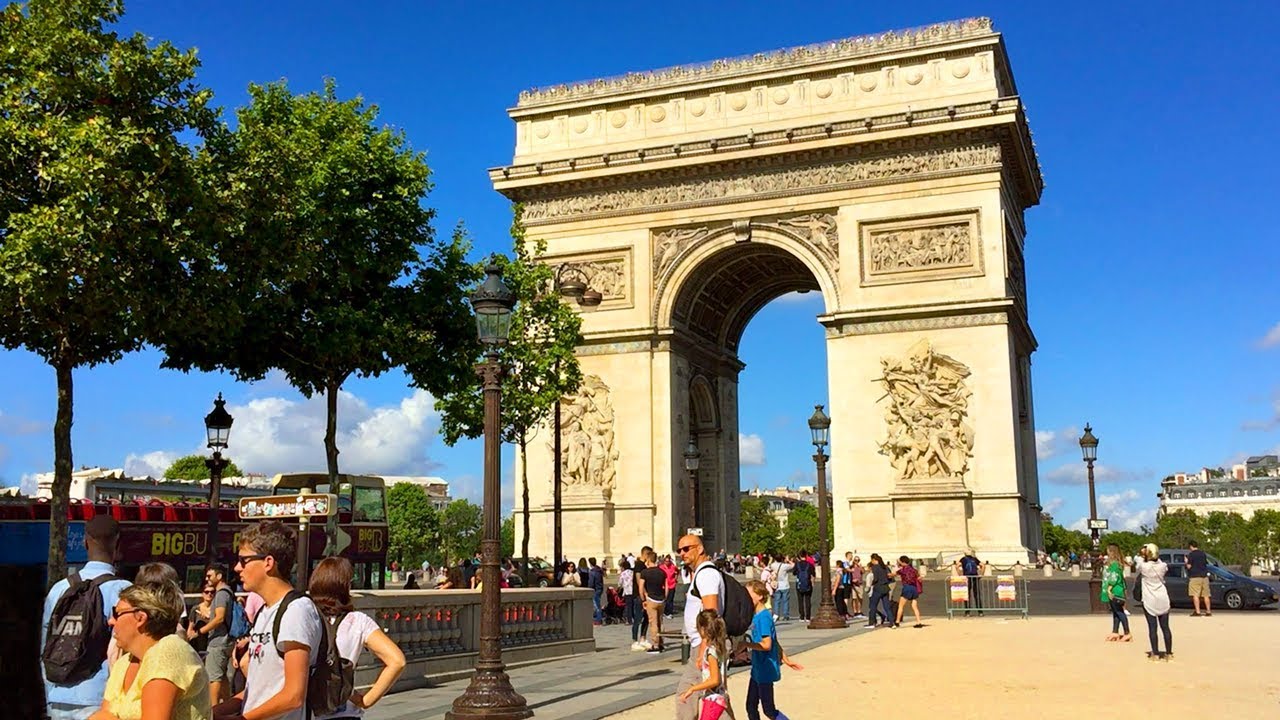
(489, 696)
(827, 618)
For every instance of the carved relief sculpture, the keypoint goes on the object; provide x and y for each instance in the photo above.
(921, 248)
(819, 229)
(588, 459)
(608, 277)
(928, 402)
(668, 244)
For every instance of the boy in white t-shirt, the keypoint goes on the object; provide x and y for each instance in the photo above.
(278, 667)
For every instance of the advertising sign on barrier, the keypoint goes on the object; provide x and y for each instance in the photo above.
(959, 589)
(1006, 591)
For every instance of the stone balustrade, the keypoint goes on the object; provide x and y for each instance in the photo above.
(439, 630)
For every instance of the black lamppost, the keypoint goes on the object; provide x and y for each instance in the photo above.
(826, 618)
(576, 288)
(217, 428)
(490, 695)
(1089, 448)
(692, 459)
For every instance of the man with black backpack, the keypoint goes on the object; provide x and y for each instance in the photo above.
(74, 633)
(705, 590)
(287, 635)
(217, 660)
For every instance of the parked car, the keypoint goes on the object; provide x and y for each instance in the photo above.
(1226, 588)
(541, 570)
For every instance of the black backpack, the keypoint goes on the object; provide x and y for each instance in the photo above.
(76, 642)
(333, 677)
(736, 608)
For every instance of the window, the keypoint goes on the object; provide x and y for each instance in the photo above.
(369, 506)
(1177, 495)
(1222, 493)
(1235, 493)
(1192, 494)
(1176, 570)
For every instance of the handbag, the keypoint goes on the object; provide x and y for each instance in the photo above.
(1137, 590)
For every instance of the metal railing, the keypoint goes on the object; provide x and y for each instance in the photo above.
(1003, 594)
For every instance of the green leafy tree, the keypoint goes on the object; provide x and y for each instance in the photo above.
(539, 360)
(1265, 526)
(1177, 529)
(1127, 540)
(97, 196)
(460, 530)
(801, 532)
(760, 530)
(1230, 537)
(192, 467)
(507, 535)
(323, 255)
(412, 524)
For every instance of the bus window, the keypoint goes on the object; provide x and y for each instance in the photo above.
(369, 506)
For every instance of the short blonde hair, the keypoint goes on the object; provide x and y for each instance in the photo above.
(160, 601)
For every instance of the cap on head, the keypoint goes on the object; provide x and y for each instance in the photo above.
(1151, 549)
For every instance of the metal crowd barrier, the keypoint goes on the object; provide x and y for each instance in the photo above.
(996, 594)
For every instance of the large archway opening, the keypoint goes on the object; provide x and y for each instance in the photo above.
(725, 291)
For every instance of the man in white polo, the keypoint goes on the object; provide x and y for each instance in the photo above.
(710, 588)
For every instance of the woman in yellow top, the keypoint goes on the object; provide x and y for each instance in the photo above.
(159, 676)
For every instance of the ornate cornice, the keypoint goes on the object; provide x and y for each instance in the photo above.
(764, 182)
(785, 59)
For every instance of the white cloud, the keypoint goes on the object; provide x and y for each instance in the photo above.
(1118, 509)
(29, 484)
(152, 464)
(1268, 424)
(1052, 505)
(1271, 339)
(14, 425)
(1053, 442)
(750, 450)
(797, 298)
(1075, 473)
(277, 434)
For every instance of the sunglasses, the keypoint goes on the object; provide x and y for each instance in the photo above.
(686, 548)
(244, 560)
(207, 592)
(117, 614)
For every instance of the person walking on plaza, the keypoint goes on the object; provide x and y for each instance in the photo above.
(804, 570)
(855, 587)
(767, 657)
(1198, 584)
(330, 590)
(912, 587)
(653, 582)
(595, 581)
(217, 659)
(881, 611)
(782, 586)
(706, 588)
(287, 631)
(158, 676)
(972, 568)
(672, 573)
(633, 611)
(1113, 594)
(840, 589)
(712, 661)
(1155, 600)
(78, 694)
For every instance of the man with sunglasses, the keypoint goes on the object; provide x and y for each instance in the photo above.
(278, 667)
(77, 701)
(710, 588)
(217, 659)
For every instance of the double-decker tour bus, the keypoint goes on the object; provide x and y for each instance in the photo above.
(177, 533)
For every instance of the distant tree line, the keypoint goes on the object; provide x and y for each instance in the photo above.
(762, 533)
(1228, 536)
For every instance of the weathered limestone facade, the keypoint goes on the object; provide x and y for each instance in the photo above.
(889, 173)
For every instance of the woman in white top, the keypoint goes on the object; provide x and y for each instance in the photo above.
(330, 590)
(1155, 599)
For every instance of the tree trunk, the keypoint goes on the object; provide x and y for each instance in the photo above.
(524, 510)
(331, 458)
(57, 561)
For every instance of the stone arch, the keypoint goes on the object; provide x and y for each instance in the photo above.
(770, 262)
(704, 416)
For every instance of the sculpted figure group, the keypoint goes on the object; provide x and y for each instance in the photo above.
(589, 458)
(928, 438)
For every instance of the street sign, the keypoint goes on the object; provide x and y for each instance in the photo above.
(303, 505)
(1099, 524)
(694, 531)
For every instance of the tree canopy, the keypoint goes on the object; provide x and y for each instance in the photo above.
(801, 532)
(193, 467)
(760, 530)
(413, 525)
(460, 530)
(99, 200)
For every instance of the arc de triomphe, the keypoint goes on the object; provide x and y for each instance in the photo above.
(890, 173)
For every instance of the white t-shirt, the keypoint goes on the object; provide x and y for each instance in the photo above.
(356, 627)
(781, 575)
(708, 582)
(265, 675)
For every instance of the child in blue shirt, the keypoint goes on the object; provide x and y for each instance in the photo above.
(767, 657)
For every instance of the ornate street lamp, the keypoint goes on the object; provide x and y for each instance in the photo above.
(692, 459)
(490, 695)
(217, 428)
(1089, 449)
(569, 282)
(826, 618)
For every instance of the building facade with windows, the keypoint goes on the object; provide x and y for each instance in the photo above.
(1241, 496)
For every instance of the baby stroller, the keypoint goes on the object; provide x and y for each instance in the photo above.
(614, 607)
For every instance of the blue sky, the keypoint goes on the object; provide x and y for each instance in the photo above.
(1151, 260)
